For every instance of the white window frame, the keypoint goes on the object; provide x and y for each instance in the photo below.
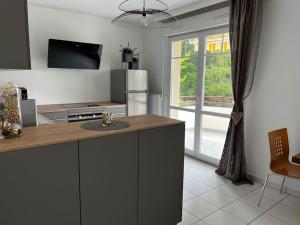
(199, 112)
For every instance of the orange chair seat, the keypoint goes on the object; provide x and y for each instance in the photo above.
(287, 169)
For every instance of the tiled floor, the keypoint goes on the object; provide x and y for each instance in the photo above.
(210, 199)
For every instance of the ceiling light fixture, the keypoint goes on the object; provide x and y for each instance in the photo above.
(144, 14)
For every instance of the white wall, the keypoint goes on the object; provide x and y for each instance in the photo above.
(50, 86)
(274, 101)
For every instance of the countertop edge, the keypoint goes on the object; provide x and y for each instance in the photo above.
(171, 122)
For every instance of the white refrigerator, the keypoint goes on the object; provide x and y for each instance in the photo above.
(130, 87)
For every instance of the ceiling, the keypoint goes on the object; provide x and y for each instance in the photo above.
(102, 8)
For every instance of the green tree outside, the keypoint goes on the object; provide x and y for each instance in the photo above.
(217, 75)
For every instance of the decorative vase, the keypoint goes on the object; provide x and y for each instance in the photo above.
(10, 111)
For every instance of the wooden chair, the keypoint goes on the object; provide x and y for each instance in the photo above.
(280, 164)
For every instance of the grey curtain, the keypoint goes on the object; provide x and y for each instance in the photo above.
(245, 27)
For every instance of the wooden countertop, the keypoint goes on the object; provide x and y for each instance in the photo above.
(60, 107)
(61, 133)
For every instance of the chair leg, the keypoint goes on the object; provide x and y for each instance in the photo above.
(282, 185)
(263, 190)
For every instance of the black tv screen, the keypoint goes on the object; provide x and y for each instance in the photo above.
(73, 55)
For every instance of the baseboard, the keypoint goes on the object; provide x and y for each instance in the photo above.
(277, 186)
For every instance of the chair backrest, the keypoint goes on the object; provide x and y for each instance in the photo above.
(279, 146)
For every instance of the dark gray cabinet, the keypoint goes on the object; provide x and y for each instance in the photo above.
(133, 178)
(161, 160)
(40, 186)
(109, 179)
(14, 38)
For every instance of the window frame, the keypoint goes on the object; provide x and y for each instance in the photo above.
(199, 111)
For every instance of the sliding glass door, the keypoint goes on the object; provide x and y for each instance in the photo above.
(200, 92)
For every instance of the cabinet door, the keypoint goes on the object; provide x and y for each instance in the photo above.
(161, 160)
(108, 177)
(14, 38)
(40, 186)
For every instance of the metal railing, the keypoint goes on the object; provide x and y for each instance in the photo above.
(208, 100)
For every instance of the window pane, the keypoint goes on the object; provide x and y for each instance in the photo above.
(218, 85)
(184, 48)
(184, 73)
(189, 119)
(214, 130)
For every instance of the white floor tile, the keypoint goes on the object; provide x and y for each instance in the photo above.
(237, 204)
(252, 199)
(243, 211)
(233, 190)
(253, 187)
(222, 218)
(187, 180)
(285, 213)
(291, 202)
(199, 208)
(205, 167)
(271, 194)
(188, 196)
(195, 173)
(197, 164)
(187, 163)
(213, 180)
(217, 198)
(187, 172)
(187, 218)
(268, 220)
(197, 187)
(200, 223)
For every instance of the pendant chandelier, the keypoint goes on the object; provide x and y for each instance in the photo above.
(144, 14)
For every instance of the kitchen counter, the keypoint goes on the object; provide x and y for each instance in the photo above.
(61, 107)
(62, 133)
(62, 174)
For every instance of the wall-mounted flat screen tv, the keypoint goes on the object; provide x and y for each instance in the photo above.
(74, 55)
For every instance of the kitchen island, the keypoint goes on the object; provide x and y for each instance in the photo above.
(62, 174)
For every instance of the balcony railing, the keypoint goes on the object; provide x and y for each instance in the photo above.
(221, 101)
